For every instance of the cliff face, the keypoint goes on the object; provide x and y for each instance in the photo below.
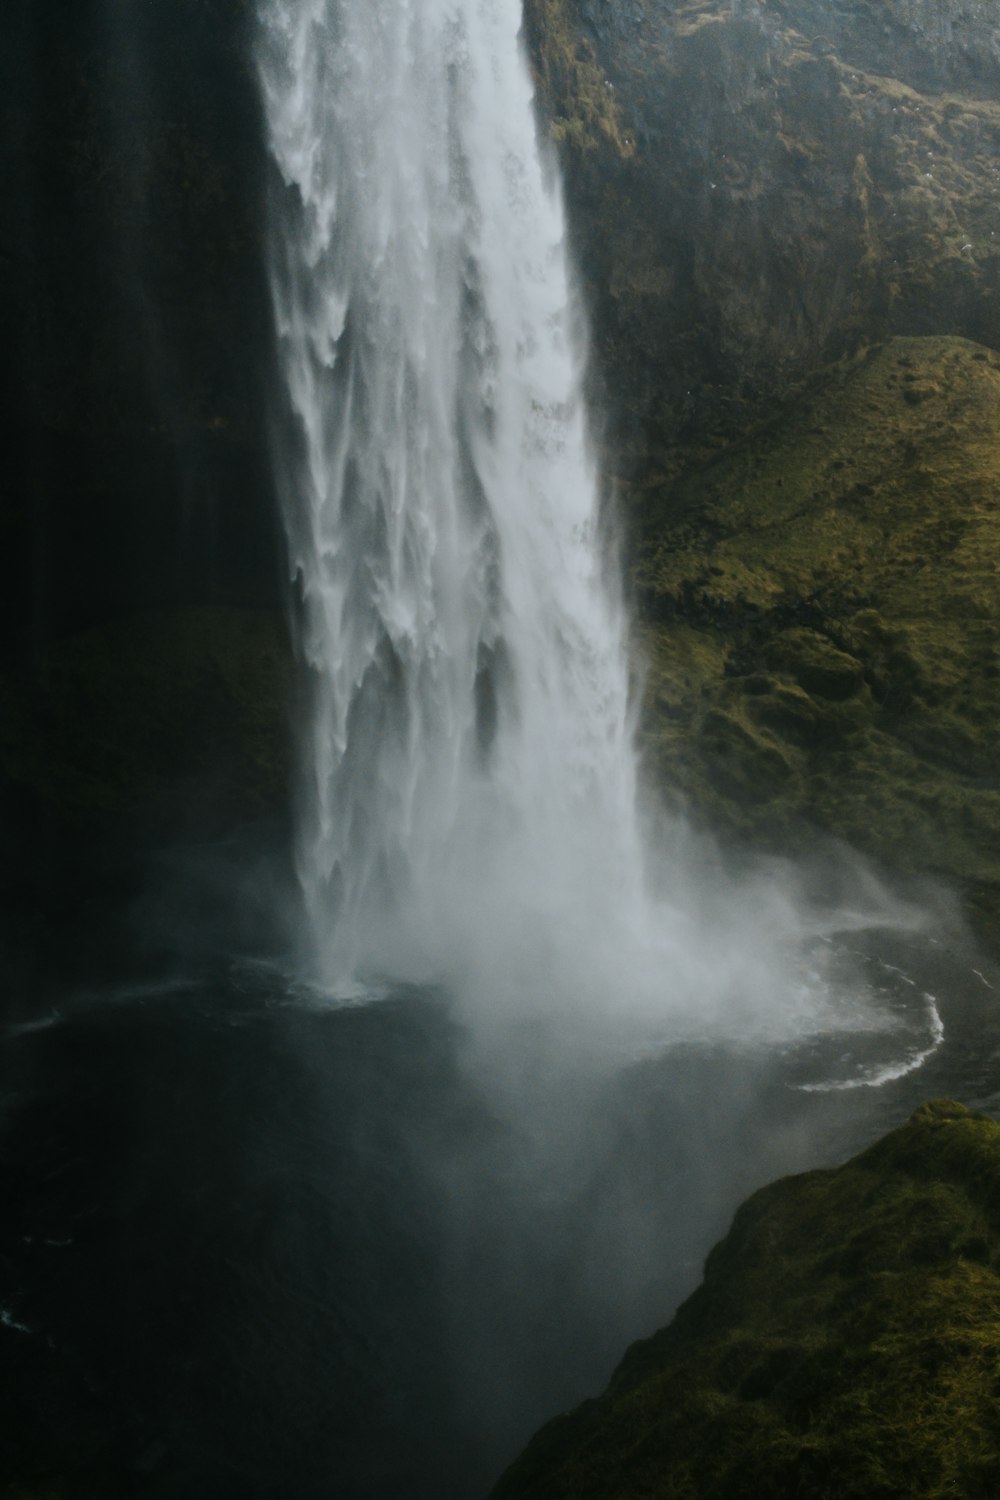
(797, 180)
(785, 213)
(143, 662)
(843, 1344)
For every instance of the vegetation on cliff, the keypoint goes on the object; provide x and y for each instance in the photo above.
(805, 179)
(843, 1345)
(821, 611)
(579, 100)
(783, 275)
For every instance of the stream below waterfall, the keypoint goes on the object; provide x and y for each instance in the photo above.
(256, 1242)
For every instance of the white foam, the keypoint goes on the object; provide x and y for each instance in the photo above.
(878, 1076)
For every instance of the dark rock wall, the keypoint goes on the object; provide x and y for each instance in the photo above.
(144, 666)
(925, 43)
(759, 192)
(134, 312)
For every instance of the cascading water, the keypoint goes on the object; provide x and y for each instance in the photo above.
(469, 763)
(468, 805)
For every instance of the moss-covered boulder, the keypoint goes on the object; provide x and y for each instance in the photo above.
(844, 1345)
(822, 620)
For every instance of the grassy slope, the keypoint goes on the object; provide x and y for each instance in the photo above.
(821, 611)
(844, 1345)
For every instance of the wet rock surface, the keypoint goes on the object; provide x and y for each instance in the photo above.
(135, 314)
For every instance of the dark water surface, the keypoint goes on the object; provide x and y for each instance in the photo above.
(258, 1245)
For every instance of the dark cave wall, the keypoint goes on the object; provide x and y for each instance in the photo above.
(135, 313)
(145, 671)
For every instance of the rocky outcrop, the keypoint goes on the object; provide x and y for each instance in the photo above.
(843, 1345)
(798, 180)
(787, 227)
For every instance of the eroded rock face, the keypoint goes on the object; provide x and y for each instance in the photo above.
(933, 46)
(843, 1344)
(795, 183)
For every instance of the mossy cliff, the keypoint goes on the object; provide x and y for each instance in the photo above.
(797, 180)
(843, 1345)
(762, 194)
(821, 614)
(193, 715)
(791, 249)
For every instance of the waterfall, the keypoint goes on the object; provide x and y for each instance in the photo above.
(468, 772)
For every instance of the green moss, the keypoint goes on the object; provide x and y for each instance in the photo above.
(830, 591)
(845, 1343)
(578, 98)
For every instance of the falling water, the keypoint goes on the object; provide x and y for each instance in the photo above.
(469, 760)
(468, 804)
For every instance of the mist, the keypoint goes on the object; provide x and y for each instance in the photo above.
(386, 1047)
